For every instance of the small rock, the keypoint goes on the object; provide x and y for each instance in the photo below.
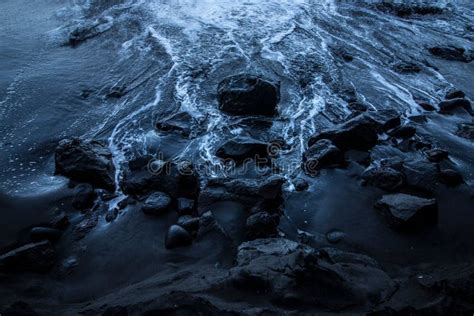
(455, 94)
(357, 106)
(117, 92)
(451, 53)
(248, 95)
(407, 68)
(191, 224)
(407, 212)
(384, 120)
(405, 132)
(448, 106)
(420, 175)
(182, 123)
(466, 131)
(34, 257)
(126, 202)
(436, 155)
(261, 225)
(45, 233)
(184, 206)
(384, 177)
(177, 236)
(85, 226)
(300, 185)
(323, 154)
(111, 215)
(84, 196)
(157, 203)
(89, 30)
(451, 177)
(426, 106)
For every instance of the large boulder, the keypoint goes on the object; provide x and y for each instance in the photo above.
(177, 179)
(322, 154)
(86, 161)
(35, 257)
(242, 150)
(358, 133)
(407, 212)
(248, 95)
(295, 275)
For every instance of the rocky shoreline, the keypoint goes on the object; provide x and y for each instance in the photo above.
(155, 233)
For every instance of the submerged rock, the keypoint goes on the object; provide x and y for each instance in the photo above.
(295, 275)
(86, 161)
(407, 68)
(35, 257)
(405, 10)
(358, 133)
(248, 95)
(89, 30)
(455, 94)
(261, 225)
(408, 212)
(182, 123)
(322, 154)
(177, 236)
(451, 177)
(405, 131)
(436, 154)
(466, 131)
(451, 53)
(157, 203)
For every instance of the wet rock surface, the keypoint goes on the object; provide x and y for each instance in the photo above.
(35, 257)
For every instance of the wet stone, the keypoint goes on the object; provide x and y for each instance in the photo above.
(157, 203)
(176, 237)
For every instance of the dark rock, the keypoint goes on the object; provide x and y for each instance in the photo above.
(111, 215)
(157, 203)
(426, 106)
(466, 131)
(264, 194)
(405, 131)
(126, 202)
(384, 120)
(89, 30)
(342, 54)
(451, 177)
(242, 150)
(322, 154)
(357, 106)
(384, 177)
(449, 106)
(358, 133)
(436, 155)
(45, 233)
(300, 185)
(177, 179)
(19, 309)
(86, 161)
(117, 92)
(85, 226)
(407, 68)
(455, 94)
(182, 123)
(407, 212)
(420, 175)
(261, 225)
(406, 10)
(191, 224)
(177, 236)
(248, 95)
(451, 53)
(184, 206)
(35, 257)
(60, 221)
(293, 274)
(208, 226)
(84, 196)
(418, 118)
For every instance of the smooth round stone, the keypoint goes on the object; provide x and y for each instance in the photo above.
(177, 236)
(335, 236)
